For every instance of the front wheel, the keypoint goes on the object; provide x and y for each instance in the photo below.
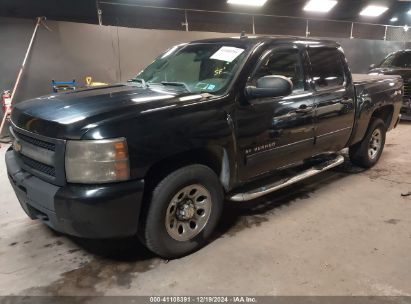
(367, 152)
(183, 212)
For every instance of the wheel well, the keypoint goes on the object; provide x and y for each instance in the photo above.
(210, 157)
(385, 113)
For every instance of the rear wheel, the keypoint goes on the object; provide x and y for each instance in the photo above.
(367, 152)
(183, 212)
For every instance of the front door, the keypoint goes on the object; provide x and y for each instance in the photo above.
(276, 132)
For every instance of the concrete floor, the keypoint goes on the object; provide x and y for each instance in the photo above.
(345, 232)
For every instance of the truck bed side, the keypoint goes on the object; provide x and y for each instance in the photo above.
(376, 96)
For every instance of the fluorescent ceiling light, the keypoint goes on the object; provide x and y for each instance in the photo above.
(394, 19)
(248, 2)
(373, 11)
(320, 6)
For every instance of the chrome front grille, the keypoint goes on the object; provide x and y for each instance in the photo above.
(36, 142)
(407, 89)
(42, 156)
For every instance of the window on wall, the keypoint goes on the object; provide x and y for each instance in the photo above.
(284, 62)
(327, 67)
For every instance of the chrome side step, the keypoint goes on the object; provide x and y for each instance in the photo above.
(247, 196)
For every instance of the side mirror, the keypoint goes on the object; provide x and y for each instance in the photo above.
(372, 66)
(270, 86)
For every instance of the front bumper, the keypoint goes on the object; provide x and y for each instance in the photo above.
(406, 110)
(89, 211)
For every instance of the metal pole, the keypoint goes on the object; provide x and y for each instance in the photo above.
(385, 33)
(39, 19)
(186, 20)
(352, 29)
(99, 13)
(307, 32)
(253, 26)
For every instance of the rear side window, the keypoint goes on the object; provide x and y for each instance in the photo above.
(326, 67)
(404, 60)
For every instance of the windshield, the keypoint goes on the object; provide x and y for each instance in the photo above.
(195, 68)
(400, 60)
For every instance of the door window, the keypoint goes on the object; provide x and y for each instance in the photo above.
(326, 67)
(285, 63)
(389, 61)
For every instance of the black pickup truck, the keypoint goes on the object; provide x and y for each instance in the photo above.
(398, 63)
(218, 119)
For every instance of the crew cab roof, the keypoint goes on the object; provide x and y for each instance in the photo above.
(253, 40)
(402, 51)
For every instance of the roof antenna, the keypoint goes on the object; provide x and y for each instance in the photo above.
(243, 35)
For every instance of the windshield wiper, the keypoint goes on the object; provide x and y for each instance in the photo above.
(176, 84)
(140, 80)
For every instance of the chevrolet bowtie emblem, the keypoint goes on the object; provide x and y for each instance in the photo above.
(16, 146)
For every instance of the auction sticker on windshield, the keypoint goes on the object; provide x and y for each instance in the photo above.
(227, 53)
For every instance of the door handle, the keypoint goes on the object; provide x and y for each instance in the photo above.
(304, 109)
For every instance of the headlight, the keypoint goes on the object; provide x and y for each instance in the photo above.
(97, 161)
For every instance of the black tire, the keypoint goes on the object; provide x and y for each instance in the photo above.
(154, 233)
(360, 152)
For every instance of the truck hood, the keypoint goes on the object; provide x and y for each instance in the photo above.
(404, 72)
(70, 115)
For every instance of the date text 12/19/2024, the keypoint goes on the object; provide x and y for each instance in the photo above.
(203, 299)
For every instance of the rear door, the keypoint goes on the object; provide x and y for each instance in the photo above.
(334, 98)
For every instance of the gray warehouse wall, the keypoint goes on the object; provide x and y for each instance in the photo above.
(69, 51)
(113, 54)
